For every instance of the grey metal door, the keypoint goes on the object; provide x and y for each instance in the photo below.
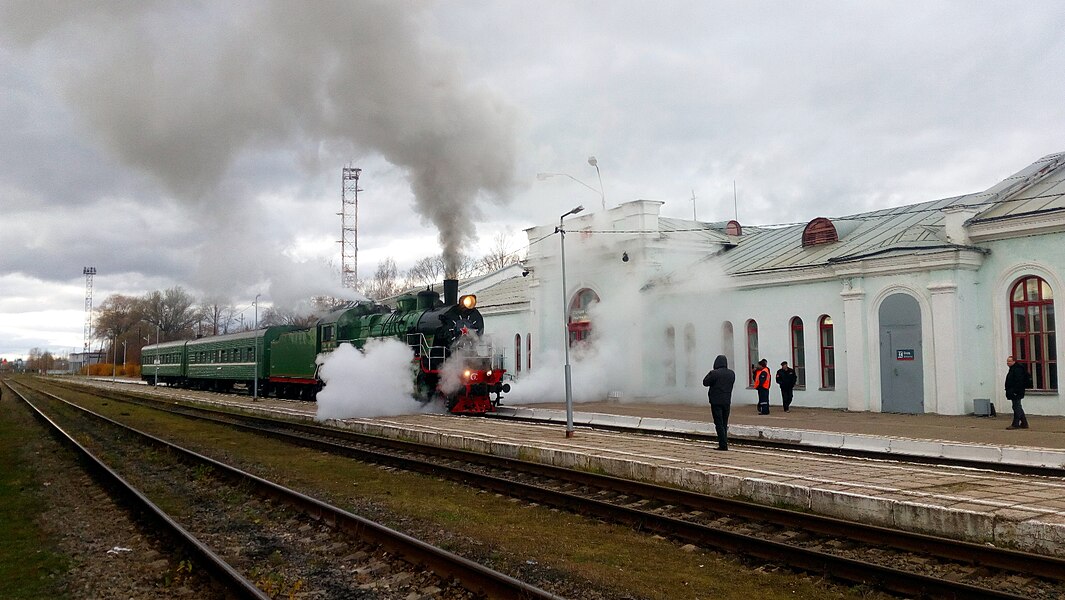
(901, 361)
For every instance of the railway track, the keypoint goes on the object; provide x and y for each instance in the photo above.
(896, 561)
(257, 538)
(784, 445)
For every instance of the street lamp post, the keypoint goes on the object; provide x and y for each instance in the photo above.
(595, 163)
(565, 323)
(124, 357)
(148, 339)
(255, 349)
(157, 328)
(114, 354)
(543, 176)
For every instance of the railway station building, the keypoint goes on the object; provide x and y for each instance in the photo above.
(911, 309)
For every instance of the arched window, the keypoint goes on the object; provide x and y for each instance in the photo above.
(728, 343)
(819, 231)
(670, 360)
(578, 322)
(752, 351)
(517, 352)
(798, 352)
(689, 352)
(1032, 328)
(828, 353)
(528, 351)
(733, 228)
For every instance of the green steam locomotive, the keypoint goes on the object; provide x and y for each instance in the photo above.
(443, 335)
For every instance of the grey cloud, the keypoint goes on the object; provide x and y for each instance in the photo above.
(182, 93)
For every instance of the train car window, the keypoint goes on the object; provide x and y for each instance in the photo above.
(327, 333)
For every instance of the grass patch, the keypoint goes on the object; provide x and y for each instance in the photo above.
(29, 566)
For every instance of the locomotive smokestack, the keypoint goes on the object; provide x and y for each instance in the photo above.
(451, 292)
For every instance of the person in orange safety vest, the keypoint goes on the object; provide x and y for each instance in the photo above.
(762, 377)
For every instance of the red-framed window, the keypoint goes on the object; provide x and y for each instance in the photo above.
(1032, 329)
(577, 321)
(828, 353)
(752, 351)
(517, 352)
(798, 352)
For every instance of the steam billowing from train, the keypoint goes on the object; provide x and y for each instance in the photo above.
(206, 97)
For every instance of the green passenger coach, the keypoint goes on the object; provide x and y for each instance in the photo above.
(163, 363)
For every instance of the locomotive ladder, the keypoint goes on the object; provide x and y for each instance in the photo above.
(422, 349)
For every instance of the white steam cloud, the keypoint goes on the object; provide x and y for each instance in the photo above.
(376, 382)
(626, 318)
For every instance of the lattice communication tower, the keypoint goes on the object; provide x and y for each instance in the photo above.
(88, 272)
(349, 232)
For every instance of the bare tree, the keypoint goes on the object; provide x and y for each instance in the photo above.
(39, 360)
(385, 282)
(427, 271)
(117, 320)
(499, 255)
(327, 304)
(172, 311)
(431, 270)
(274, 316)
(216, 318)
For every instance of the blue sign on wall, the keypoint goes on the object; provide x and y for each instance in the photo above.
(904, 354)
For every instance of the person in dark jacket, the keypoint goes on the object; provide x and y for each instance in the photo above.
(720, 381)
(1017, 381)
(786, 379)
(762, 377)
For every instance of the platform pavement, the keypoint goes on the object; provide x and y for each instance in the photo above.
(1018, 511)
(967, 437)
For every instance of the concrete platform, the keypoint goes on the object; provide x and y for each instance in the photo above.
(1023, 512)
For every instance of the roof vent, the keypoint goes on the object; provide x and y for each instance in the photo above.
(819, 231)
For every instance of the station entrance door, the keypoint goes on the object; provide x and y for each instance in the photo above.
(901, 360)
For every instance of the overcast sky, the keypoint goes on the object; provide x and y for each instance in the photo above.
(200, 144)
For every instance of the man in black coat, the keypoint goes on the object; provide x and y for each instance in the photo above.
(1016, 382)
(720, 381)
(786, 379)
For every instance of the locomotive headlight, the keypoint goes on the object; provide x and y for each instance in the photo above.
(466, 374)
(468, 302)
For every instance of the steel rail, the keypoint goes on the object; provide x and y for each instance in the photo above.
(132, 498)
(474, 576)
(810, 560)
(1036, 564)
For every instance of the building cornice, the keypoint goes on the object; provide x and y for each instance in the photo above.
(1019, 226)
(948, 259)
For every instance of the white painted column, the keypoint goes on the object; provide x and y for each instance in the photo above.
(944, 330)
(856, 350)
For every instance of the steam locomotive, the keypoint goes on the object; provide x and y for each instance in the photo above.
(449, 360)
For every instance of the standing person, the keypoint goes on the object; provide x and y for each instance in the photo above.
(762, 378)
(786, 379)
(1016, 382)
(720, 381)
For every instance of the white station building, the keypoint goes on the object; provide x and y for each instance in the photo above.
(911, 309)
